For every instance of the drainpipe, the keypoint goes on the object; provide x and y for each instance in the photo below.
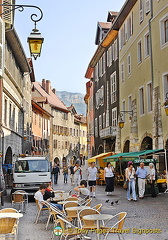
(151, 50)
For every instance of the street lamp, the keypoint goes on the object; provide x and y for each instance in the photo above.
(121, 122)
(35, 39)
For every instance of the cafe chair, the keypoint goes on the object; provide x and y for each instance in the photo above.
(98, 207)
(118, 223)
(18, 199)
(25, 194)
(69, 204)
(71, 199)
(39, 209)
(87, 224)
(87, 202)
(11, 210)
(8, 228)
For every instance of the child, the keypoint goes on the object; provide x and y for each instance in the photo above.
(82, 189)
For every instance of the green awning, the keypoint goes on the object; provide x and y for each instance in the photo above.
(132, 156)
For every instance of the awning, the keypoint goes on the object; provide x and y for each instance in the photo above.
(99, 156)
(132, 156)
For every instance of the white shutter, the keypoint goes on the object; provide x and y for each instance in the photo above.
(2, 35)
(8, 16)
(147, 6)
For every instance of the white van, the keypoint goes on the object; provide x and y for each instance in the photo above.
(30, 172)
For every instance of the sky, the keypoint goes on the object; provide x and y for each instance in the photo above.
(69, 30)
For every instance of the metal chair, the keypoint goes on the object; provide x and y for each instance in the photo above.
(98, 207)
(87, 224)
(39, 209)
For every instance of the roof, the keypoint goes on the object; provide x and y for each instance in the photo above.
(17, 50)
(51, 98)
(105, 25)
(40, 108)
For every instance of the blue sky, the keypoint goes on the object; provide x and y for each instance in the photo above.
(69, 29)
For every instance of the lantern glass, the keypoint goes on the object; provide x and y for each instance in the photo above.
(35, 44)
(121, 124)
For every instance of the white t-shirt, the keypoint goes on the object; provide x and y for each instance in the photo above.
(152, 174)
(77, 173)
(92, 172)
(84, 191)
(39, 196)
(109, 172)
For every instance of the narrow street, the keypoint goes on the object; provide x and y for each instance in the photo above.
(149, 213)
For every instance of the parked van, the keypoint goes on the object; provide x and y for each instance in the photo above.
(29, 172)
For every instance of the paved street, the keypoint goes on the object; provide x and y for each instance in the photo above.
(149, 213)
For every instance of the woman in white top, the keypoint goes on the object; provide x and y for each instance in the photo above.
(109, 178)
(77, 174)
(130, 177)
(152, 178)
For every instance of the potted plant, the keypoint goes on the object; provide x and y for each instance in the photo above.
(165, 105)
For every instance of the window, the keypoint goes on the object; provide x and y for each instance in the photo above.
(129, 27)
(139, 52)
(149, 96)
(96, 130)
(104, 120)
(147, 6)
(129, 64)
(129, 103)
(123, 109)
(109, 56)
(141, 99)
(107, 118)
(141, 13)
(100, 123)
(100, 67)
(5, 111)
(164, 30)
(147, 45)
(114, 117)
(10, 115)
(113, 87)
(103, 64)
(96, 72)
(13, 119)
(165, 85)
(122, 72)
(115, 53)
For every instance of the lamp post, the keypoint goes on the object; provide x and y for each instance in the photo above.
(35, 39)
(121, 122)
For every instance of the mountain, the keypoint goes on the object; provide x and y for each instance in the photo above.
(77, 99)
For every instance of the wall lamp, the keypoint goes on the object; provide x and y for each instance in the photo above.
(35, 39)
(121, 122)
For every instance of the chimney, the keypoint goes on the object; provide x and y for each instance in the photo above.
(48, 86)
(44, 83)
(54, 90)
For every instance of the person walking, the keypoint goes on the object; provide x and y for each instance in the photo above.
(92, 175)
(65, 172)
(130, 177)
(71, 168)
(77, 174)
(152, 179)
(109, 178)
(141, 174)
(55, 172)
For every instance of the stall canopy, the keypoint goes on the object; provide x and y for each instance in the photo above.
(102, 155)
(132, 156)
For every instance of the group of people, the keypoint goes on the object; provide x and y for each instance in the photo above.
(75, 172)
(141, 174)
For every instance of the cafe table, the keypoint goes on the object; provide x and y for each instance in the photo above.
(10, 215)
(97, 218)
(63, 202)
(60, 196)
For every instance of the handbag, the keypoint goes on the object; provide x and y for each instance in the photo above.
(125, 185)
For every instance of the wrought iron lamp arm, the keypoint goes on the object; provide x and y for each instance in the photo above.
(129, 112)
(21, 9)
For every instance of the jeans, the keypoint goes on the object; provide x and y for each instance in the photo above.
(131, 185)
(65, 177)
(55, 178)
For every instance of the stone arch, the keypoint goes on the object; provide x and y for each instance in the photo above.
(8, 156)
(100, 149)
(126, 147)
(146, 143)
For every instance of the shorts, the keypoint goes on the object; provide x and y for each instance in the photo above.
(92, 183)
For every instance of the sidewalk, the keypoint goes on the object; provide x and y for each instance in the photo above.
(148, 213)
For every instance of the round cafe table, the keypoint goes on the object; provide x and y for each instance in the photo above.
(77, 208)
(97, 218)
(63, 202)
(10, 215)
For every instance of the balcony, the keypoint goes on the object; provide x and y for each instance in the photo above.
(108, 132)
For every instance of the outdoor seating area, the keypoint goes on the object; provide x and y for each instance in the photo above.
(78, 216)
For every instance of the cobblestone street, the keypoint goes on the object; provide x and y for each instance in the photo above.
(149, 213)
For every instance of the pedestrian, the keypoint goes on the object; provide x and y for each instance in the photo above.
(109, 178)
(71, 168)
(39, 197)
(141, 174)
(55, 172)
(65, 172)
(77, 174)
(130, 177)
(92, 175)
(82, 190)
(152, 179)
(49, 192)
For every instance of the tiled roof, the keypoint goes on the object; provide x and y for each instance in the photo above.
(52, 98)
(106, 25)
